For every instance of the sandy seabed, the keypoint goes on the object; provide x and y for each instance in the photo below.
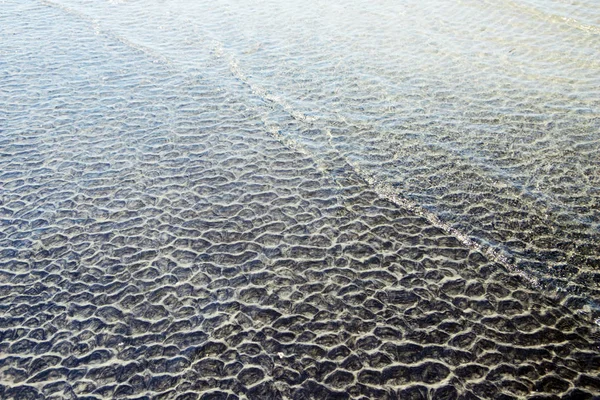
(159, 239)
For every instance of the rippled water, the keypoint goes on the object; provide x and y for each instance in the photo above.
(291, 199)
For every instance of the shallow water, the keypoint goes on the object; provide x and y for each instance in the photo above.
(283, 201)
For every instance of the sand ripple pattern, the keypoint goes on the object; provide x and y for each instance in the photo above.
(174, 229)
(485, 114)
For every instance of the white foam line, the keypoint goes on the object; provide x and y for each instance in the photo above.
(384, 190)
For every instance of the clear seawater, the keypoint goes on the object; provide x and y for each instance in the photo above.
(278, 199)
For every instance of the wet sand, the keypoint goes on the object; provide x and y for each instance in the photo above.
(159, 239)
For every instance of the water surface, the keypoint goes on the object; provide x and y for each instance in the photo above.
(290, 200)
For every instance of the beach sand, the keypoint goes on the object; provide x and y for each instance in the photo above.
(160, 239)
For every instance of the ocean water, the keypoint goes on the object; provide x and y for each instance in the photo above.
(237, 199)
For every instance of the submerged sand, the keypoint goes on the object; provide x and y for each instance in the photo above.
(159, 239)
